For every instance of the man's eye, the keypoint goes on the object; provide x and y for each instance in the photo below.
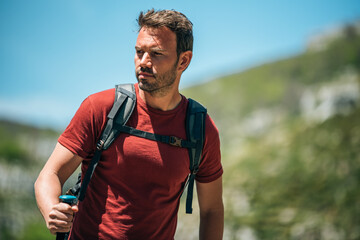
(157, 53)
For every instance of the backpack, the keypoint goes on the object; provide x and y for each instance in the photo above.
(124, 104)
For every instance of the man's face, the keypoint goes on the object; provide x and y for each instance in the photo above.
(156, 59)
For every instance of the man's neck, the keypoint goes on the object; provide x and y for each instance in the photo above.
(164, 102)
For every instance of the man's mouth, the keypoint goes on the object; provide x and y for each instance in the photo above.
(145, 73)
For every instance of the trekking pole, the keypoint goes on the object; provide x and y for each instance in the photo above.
(71, 200)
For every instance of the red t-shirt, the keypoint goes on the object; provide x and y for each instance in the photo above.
(135, 190)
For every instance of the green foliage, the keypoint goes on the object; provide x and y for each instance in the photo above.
(303, 188)
(19, 216)
(5, 233)
(36, 231)
(14, 141)
(11, 152)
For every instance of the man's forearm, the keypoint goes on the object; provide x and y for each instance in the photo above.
(47, 190)
(61, 164)
(212, 225)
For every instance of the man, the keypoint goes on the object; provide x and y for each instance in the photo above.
(135, 190)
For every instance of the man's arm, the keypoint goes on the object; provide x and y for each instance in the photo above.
(61, 164)
(211, 209)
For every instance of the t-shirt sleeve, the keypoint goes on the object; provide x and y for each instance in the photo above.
(84, 129)
(210, 167)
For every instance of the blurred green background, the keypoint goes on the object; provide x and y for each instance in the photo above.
(290, 137)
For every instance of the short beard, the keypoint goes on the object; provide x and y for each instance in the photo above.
(162, 83)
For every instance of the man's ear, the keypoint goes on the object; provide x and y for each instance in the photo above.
(184, 60)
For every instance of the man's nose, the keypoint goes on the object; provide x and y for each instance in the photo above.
(145, 61)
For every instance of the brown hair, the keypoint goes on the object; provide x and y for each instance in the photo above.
(175, 21)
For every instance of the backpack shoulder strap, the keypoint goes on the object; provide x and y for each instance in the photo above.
(124, 104)
(195, 133)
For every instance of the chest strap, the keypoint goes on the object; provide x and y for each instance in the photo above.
(171, 140)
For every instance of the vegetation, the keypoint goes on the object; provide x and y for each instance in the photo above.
(303, 188)
(10, 150)
(22, 152)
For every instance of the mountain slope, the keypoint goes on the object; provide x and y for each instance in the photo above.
(280, 83)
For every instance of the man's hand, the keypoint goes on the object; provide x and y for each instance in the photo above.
(61, 217)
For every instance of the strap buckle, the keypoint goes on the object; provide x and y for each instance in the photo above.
(175, 141)
(100, 145)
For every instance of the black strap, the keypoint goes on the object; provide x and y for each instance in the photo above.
(190, 193)
(89, 173)
(172, 140)
(124, 104)
(195, 130)
(117, 104)
(110, 122)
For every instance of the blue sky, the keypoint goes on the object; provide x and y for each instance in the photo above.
(55, 53)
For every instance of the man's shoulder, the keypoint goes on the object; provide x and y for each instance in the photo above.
(108, 94)
(102, 99)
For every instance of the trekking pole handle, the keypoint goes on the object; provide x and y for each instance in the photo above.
(71, 200)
